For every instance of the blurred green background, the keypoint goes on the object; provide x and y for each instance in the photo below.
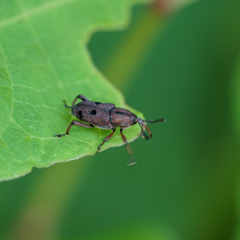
(179, 63)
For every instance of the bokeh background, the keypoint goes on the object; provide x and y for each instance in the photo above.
(175, 60)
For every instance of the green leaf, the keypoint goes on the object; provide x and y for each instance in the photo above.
(43, 61)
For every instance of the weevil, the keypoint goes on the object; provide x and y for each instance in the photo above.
(107, 116)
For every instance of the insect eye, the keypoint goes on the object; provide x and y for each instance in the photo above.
(93, 112)
(80, 113)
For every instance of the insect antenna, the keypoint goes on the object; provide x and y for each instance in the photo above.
(141, 123)
(158, 120)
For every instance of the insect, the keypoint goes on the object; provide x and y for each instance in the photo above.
(107, 116)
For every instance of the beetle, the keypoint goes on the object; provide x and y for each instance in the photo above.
(106, 116)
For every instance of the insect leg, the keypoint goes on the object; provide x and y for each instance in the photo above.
(80, 96)
(131, 160)
(143, 133)
(149, 131)
(105, 139)
(141, 122)
(74, 123)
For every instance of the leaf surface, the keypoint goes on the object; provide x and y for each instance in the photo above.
(43, 61)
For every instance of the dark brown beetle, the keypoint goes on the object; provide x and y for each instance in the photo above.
(106, 116)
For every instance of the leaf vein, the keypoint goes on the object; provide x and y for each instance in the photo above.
(7, 70)
(35, 11)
